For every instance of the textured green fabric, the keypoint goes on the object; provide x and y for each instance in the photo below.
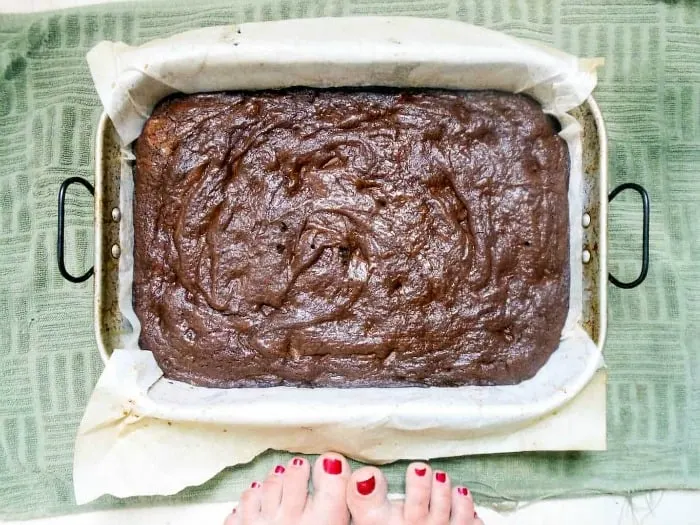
(650, 95)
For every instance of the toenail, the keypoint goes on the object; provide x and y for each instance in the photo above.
(279, 469)
(421, 471)
(476, 516)
(367, 486)
(298, 462)
(234, 510)
(464, 491)
(254, 485)
(441, 477)
(332, 466)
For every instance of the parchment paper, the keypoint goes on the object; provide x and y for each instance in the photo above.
(143, 434)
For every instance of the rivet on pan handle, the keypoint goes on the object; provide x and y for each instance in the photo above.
(645, 233)
(61, 236)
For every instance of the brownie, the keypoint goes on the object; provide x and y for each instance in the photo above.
(351, 238)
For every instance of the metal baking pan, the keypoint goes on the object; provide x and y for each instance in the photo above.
(108, 320)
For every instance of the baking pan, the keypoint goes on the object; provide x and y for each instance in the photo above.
(108, 320)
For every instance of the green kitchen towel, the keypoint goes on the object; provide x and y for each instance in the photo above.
(649, 92)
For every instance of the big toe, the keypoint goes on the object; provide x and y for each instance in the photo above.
(330, 478)
(367, 497)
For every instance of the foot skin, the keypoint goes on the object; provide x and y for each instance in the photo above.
(430, 499)
(283, 497)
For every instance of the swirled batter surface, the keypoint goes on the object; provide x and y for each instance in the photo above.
(351, 238)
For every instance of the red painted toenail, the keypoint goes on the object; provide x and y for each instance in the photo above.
(234, 510)
(254, 485)
(298, 462)
(332, 466)
(421, 471)
(441, 477)
(464, 491)
(367, 486)
(279, 469)
(476, 516)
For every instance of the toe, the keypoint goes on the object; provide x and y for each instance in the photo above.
(418, 483)
(330, 476)
(272, 492)
(440, 498)
(462, 507)
(232, 519)
(250, 504)
(367, 497)
(295, 487)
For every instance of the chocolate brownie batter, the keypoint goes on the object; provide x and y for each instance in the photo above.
(351, 238)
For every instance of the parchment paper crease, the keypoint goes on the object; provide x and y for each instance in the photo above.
(143, 434)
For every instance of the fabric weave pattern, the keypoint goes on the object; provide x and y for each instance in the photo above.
(649, 92)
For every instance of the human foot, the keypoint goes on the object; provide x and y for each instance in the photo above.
(430, 500)
(284, 499)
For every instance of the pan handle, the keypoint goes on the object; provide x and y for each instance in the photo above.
(645, 234)
(61, 236)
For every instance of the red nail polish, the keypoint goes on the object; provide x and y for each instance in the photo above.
(476, 516)
(279, 469)
(367, 486)
(254, 485)
(298, 462)
(464, 491)
(441, 477)
(421, 471)
(332, 466)
(234, 510)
